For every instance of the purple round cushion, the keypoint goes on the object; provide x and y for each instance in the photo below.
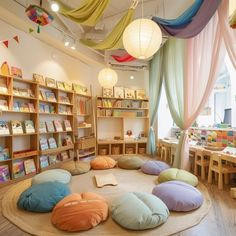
(178, 196)
(154, 167)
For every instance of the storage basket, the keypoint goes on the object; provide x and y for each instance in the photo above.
(141, 150)
(102, 151)
(86, 143)
(233, 192)
(115, 150)
(129, 150)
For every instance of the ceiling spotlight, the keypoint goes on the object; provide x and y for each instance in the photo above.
(73, 46)
(54, 6)
(131, 77)
(66, 43)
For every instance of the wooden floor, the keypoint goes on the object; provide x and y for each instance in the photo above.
(220, 221)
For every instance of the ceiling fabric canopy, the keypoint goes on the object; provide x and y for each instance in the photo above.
(196, 23)
(125, 58)
(114, 39)
(88, 13)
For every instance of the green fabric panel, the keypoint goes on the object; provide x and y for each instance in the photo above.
(114, 39)
(155, 85)
(88, 13)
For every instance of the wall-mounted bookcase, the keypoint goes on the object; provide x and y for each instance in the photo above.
(115, 118)
(36, 127)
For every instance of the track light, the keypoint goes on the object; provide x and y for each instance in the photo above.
(54, 6)
(73, 46)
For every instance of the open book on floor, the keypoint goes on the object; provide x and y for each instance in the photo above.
(103, 180)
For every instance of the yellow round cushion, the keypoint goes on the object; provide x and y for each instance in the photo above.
(102, 163)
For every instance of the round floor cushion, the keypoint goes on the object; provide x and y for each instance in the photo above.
(177, 174)
(43, 197)
(77, 168)
(78, 212)
(59, 175)
(139, 211)
(130, 162)
(154, 167)
(178, 196)
(102, 163)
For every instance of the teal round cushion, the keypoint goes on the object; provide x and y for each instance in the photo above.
(178, 174)
(139, 211)
(43, 197)
(59, 175)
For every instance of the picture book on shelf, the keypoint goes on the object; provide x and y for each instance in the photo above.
(16, 127)
(58, 125)
(42, 95)
(67, 125)
(38, 78)
(16, 72)
(52, 143)
(29, 166)
(16, 106)
(68, 111)
(67, 141)
(3, 105)
(129, 93)
(52, 159)
(4, 154)
(3, 88)
(67, 86)
(42, 127)
(107, 92)
(118, 92)
(43, 161)
(24, 107)
(4, 128)
(29, 126)
(60, 85)
(50, 96)
(50, 82)
(4, 173)
(46, 108)
(18, 169)
(41, 108)
(31, 107)
(51, 109)
(64, 99)
(50, 126)
(140, 94)
(43, 144)
(64, 156)
(80, 89)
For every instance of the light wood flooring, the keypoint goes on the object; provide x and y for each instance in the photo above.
(220, 221)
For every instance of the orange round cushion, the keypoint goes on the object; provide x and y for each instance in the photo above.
(102, 162)
(78, 212)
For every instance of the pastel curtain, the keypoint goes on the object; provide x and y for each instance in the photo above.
(88, 13)
(114, 39)
(155, 85)
(229, 34)
(197, 23)
(183, 19)
(190, 71)
(124, 58)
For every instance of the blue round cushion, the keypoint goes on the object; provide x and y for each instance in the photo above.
(178, 196)
(43, 197)
(139, 211)
(154, 167)
(59, 175)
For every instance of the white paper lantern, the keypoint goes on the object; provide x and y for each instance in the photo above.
(107, 78)
(142, 38)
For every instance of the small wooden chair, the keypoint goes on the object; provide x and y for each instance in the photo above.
(220, 166)
(164, 153)
(172, 155)
(201, 160)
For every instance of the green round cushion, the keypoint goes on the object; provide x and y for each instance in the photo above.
(130, 162)
(59, 175)
(139, 211)
(77, 168)
(42, 197)
(178, 174)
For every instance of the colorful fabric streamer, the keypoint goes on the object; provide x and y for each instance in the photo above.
(197, 23)
(88, 13)
(124, 58)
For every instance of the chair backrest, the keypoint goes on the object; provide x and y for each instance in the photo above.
(216, 161)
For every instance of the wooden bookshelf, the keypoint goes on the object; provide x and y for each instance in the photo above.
(118, 115)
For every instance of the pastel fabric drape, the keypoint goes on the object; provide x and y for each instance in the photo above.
(114, 39)
(155, 85)
(190, 71)
(124, 58)
(229, 34)
(183, 19)
(198, 22)
(88, 13)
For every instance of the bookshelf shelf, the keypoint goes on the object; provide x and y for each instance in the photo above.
(46, 101)
(56, 165)
(20, 112)
(85, 127)
(86, 154)
(122, 108)
(57, 132)
(54, 114)
(24, 97)
(65, 104)
(8, 160)
(27, 81)
(56, 150)
(5, 94)
(113, 98)
(82, 115)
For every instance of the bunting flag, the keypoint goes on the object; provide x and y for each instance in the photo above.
(6, 42)
(31, 30)
(124, 58)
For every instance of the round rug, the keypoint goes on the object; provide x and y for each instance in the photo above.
(128, 181)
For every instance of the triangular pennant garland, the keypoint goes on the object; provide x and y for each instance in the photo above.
(6, 43)
(31, 30)
(16, 38)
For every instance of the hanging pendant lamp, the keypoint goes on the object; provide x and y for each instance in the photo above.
(107, 78)
(142, 38)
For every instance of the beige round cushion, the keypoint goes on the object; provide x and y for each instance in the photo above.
(130, 162)
(102, 163)
(77, 168)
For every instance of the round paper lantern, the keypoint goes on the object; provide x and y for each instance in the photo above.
(107, 78)
(142, 38)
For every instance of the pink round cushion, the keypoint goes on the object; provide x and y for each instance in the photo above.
(178, 196)
(102, 163)
(154, 167)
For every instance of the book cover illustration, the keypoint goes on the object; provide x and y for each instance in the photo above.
(60, 85)
(3, 105)
(43, 161)
(67, 86)
(31, 107)
(16, 106)
(62, 109)
(16, 72)
(50, 126)
(42, 95)
(80, 89)
(42, 127)
(64, 99)
(52, 143)
(29, 166)
(41, 108)
(58, 125)
(68, 111)
(129, 93)
(39, 78)
(118, 92)
(52, 159)
(16, 127)
(46, 108)
(67, 125)
(4, 154)
(52, 109)
(64, 156)
(43, 144)
(4, 173)
(4, 128)
(24, 107)
(140, 94)
(18, 169)
(50, 96)
(50, 82)
(29, 126)
(3, 88)
(107, 92)
(67, 141)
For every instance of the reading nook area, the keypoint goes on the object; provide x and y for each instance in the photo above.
(117, 117)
